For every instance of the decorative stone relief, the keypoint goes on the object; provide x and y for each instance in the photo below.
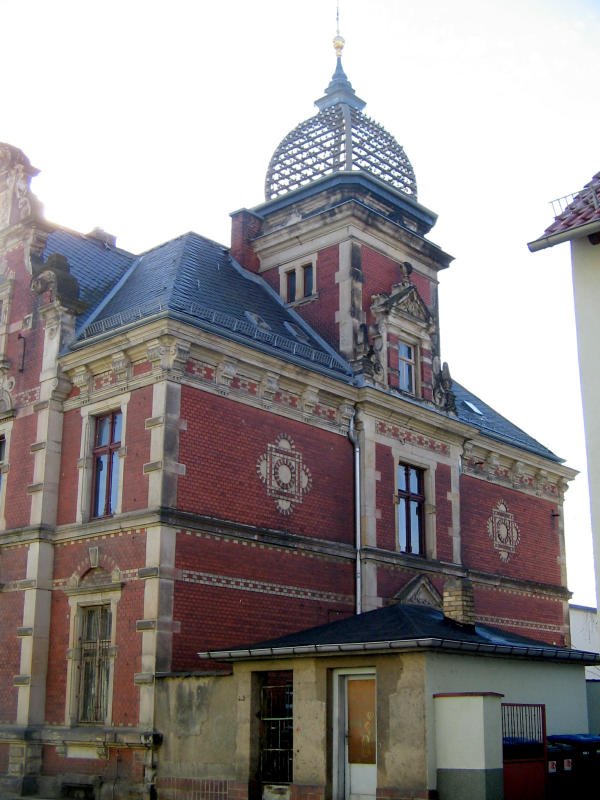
(7, 384)
(82, 379)
(406, 436)
(503, 531)
(226, 372)
(268, 387)
(284, 474)
(310, 398)
(121, 366)
(345, 413)
(420, 591)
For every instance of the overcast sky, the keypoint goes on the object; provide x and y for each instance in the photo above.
(150, 119)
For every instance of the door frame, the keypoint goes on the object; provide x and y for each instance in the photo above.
(340, 724)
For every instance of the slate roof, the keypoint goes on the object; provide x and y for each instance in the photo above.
(195, 279)
(402, 627)
(492, 424)
(96, 265)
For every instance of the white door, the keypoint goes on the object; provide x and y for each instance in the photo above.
(357, 750)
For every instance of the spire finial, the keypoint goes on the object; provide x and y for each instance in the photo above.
(338, 41)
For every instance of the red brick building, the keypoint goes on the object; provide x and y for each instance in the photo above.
(202, 446)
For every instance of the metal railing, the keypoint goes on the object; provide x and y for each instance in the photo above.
(589, 196)
(213, 317)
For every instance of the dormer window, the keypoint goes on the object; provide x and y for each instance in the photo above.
(257, 320)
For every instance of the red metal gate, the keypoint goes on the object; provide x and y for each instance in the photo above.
(524, 751)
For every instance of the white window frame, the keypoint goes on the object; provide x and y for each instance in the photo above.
(89, 413)
(298, 267)
(414, 390)
(414, 458)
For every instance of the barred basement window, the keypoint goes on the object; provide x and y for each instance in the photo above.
(276, 728)
(107, 443)
(94, 678)
(411, 505)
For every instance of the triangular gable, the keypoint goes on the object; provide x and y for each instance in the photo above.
(420, 591)
(404, 300)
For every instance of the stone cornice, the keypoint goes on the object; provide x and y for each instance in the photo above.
(483, 579)
(405, 414)
(350, 218)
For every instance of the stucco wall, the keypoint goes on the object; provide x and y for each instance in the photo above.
(561, 687)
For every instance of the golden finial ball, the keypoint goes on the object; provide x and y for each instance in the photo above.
(338, 44)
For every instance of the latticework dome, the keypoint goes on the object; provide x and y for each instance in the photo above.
(339, 138)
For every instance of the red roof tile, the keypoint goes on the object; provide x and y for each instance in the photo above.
(584, 208)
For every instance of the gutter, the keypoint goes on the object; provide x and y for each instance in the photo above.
(564, 236)
(352, 435)
(403, 645)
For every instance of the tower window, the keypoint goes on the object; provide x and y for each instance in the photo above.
(107, 443)
(307, 275)
(290, 286)
(411, 505)
(406, 367)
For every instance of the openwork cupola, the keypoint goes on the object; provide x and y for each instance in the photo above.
(339, 138)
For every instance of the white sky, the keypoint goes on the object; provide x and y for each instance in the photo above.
(153, 118)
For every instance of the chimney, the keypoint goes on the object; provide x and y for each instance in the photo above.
(245, 226)
(458, 602)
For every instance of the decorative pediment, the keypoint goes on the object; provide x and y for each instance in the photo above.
(420, 591)
(404, 299)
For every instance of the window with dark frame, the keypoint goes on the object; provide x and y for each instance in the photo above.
(290, 286)
(107, 443)
(406, 367)
(411, 506)
(94, 675)
(307, 274)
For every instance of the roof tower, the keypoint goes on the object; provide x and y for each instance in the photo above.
(340, 138)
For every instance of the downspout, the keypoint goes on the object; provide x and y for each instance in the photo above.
(352, 435)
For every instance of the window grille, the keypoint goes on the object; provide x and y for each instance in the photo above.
(277, 728)
(523, 730)
(96, 622)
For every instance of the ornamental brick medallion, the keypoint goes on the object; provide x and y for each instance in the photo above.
(282, 471)
(503, 531)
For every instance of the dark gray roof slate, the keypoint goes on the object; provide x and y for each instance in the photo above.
(196, 279)
(96, 265)
(404, 623)
(494, 425)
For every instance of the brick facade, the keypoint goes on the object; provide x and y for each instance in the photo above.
(234, 515)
